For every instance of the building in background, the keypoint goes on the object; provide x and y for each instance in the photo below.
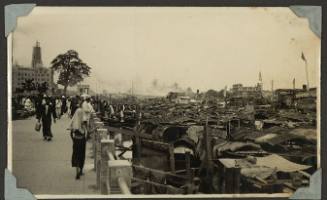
(83, 89)
(241, 95)
(239, 91)
(38, 72)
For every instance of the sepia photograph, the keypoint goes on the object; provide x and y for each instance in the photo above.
(164, 101)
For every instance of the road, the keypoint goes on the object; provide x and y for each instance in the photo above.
(44, 167)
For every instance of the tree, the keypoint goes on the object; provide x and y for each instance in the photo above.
(43, 87)
(212, 94)
(71, 69)
(28, 85)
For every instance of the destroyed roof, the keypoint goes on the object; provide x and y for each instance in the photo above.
(280, 163)
(273, 161)
(220, 148)
(308, 135)
(295, 116)
(274, 139)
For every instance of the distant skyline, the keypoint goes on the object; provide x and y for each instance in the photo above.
(165, 48)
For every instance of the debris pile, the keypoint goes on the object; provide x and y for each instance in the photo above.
(212, 149)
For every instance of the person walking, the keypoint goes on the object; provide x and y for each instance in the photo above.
(68, 106)
(63, 105)
(78, 135)
(46, 115)
(58, 107)
(87, 109)
(73, 105)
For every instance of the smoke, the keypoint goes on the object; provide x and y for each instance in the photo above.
(158, 88)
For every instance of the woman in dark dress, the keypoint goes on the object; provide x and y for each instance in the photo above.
(46, 114)
(78, 135)
(63, 105)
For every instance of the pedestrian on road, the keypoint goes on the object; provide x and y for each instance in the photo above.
(78, 135)
(46, 114)
(68, 106)
(58, 107)
(74, 105)
(63, 105)
(87, 109)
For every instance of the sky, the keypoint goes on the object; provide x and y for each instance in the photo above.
(154, 48)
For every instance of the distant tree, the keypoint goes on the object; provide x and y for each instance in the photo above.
(212, 94)
(19, 90)
(221, 93)
(189, 90)
(43, 87)
(28, 85)
(175, 86)
(71, 69)
(155, 83)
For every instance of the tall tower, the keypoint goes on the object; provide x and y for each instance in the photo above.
(260, 81)
(36, 57)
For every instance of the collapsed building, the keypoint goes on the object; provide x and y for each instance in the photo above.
(196, 148)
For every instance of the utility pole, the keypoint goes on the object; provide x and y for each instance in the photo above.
(294, 84)
(132, 88)
(307, 74)
(294, 92)
(306, 70)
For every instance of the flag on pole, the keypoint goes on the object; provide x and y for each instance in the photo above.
(303, 57)
(260, 77)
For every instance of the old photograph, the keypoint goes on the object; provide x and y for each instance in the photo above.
(164, 101)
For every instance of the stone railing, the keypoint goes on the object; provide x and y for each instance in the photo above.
(113, 176)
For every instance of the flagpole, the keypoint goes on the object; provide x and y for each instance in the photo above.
(306, 70)
(307, 74)
(294, 93)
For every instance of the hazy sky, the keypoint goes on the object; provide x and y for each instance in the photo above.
(201, 48)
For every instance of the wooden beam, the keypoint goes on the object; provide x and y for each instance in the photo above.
(129, 132)
(178, 190)
(158, 171)
(172, 158)
(208, 149)
(188, 166)
(162, 146)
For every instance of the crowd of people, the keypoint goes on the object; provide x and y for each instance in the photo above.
(48, 109)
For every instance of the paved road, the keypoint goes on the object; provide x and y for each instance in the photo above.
(45, 167)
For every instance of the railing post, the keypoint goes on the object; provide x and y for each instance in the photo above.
(92, 135)
(106, 145)
(97, 125)
(101, 133)
(120, 176)
(123, 185)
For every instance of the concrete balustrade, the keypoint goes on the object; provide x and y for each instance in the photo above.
(107, 153)
(115, 175)
(97, 125)
(112, 176)
(120, 176)
(101, 133)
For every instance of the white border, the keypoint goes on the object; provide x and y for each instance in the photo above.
(261, 195)
(47, 196)
(9, 113)
(318, 111)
